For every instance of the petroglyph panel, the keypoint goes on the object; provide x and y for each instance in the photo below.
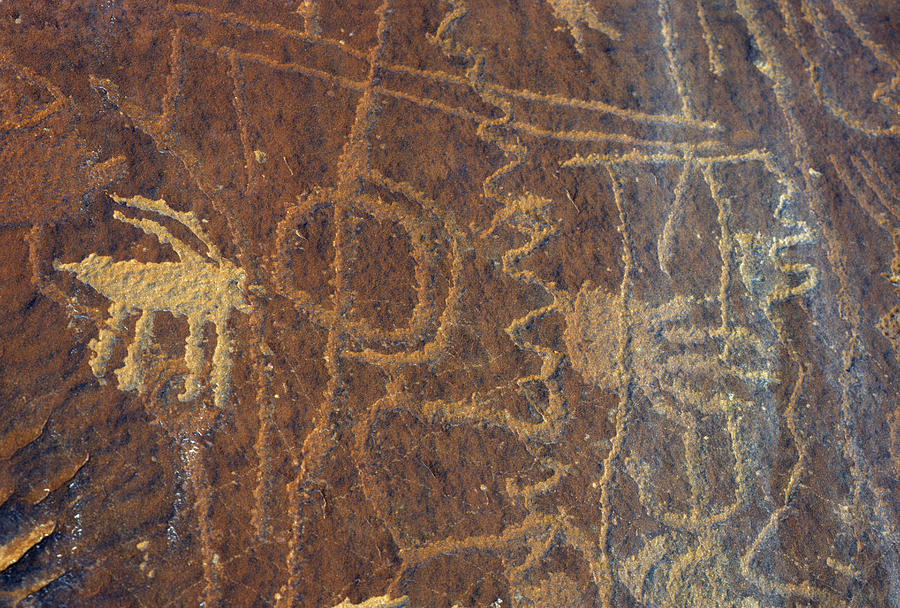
(450, 303)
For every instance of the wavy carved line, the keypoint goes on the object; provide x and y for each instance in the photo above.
(813, 69)
(848, 310)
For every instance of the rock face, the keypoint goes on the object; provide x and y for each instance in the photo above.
(450, 303)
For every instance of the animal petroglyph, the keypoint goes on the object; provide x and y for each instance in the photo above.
(585, 348)
(200, 289)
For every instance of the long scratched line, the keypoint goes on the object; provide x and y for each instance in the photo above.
(442, 77)
(574, 136)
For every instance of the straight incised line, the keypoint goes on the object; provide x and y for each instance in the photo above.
(712, 45)
(636, 156)
(353, 166)
(873, 181)
(239, 102)
(561, 100)
(861, 198)
(199, 486)
(625, 376)
(813, 70)
(665, 17)
(523, 127)
(442, 77)
(262, 26)
(889, 183)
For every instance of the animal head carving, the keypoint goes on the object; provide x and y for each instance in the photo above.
(202, 288)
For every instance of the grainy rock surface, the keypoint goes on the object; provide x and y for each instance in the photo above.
(432, 303)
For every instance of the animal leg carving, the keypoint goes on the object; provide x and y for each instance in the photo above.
(193, 357)
(102, 347)
(220, 375)
(131, 374)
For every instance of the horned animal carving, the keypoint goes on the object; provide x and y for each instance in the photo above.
(205, 289)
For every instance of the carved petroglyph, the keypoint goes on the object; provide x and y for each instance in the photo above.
(421, 340)
(200, 289)
(425, 257)
(713, 47)
(885, 94)
(579, 14)
(48, 171)
(706, 375)
(522, 547)
(22, 108)
(163, 128)
(757, 251)
(868, 499)
(736, 358)
(693, 372)
(354, 165)
(382, 601)
(880, 198)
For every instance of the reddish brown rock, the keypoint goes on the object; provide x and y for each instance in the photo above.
(455, 303)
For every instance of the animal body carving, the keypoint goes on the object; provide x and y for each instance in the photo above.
(205, 289)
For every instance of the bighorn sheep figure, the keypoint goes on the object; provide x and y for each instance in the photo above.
(205, 289)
